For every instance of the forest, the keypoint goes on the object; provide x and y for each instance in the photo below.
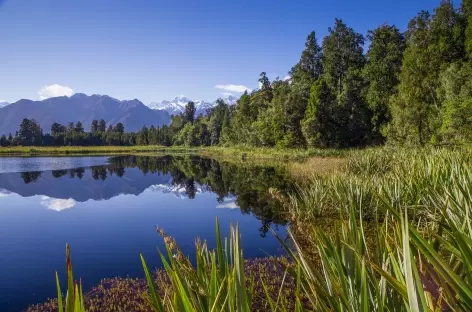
(407, 88)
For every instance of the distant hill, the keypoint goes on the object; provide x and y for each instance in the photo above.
(3, 104)
(81, 107)
(178, 103)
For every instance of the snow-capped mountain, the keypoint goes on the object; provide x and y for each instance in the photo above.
(230, 99)
(3, 104)
(178, 191)
(178, 103)
(173, 107)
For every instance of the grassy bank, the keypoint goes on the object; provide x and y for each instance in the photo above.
(89, 150)
(237, 152)
(301, 163)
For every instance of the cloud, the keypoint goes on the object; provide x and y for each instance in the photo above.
(228, 205)
(233, 88)
(57, 204)
(54, 90)
(4, 193)
(288, 77)
(223, 93)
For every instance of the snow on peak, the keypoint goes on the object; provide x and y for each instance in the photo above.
(178, 103)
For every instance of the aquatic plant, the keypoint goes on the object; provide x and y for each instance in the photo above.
(218, 283)
(74, 299)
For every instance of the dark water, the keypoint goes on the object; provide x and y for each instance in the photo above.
(107, 209)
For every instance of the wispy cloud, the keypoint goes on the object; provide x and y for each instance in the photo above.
(57, 204)
(288, 77)
(228, 205)
(223, 93)
(233, 88)
(54, 90)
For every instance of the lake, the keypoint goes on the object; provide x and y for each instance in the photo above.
(107, 208)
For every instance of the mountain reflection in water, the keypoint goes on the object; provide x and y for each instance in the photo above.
(107, 210)
(237, 186)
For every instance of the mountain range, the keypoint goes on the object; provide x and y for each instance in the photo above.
(178, 103)
(132, 114)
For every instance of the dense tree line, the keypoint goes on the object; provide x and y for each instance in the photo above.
(31, 134)
(407, 88)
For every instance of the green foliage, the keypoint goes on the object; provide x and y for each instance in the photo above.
(215, 125)
(189, 113)
(384, 61)
(218, 283)
(74, 299)
(310, 67)
(318, 124)
(456, 86)
(342, 53)
(29, 133)
(4, 142)
(414, 108)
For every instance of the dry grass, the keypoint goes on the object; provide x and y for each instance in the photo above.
(89, 150)
(303, 172)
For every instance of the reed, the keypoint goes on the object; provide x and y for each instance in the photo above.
(403, 238)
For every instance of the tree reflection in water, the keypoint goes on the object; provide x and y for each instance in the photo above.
(247, 184)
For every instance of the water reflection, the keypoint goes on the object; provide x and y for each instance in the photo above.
(244, 187)
(108, 211)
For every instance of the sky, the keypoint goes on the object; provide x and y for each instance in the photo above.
(154, 50)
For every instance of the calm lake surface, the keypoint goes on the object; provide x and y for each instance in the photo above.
(107, 208)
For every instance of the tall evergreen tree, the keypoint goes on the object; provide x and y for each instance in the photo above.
(342, 52)
(57, 128)
(310, 66)
(216, 122)
(94, 126)
(4, 141)
(466, 17)
(102, 125)
(343, 60)
(29, 133)
(384, 62)
(189, 113)
(119, 128)
(79, 128)
(432, 46)
(318, 125)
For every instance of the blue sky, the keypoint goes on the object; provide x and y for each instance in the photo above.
(154, 50)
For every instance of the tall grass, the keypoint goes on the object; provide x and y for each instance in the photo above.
(403, 239)
(218, 283)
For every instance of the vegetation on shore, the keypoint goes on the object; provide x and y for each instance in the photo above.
(235, 151)
(88, 150)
